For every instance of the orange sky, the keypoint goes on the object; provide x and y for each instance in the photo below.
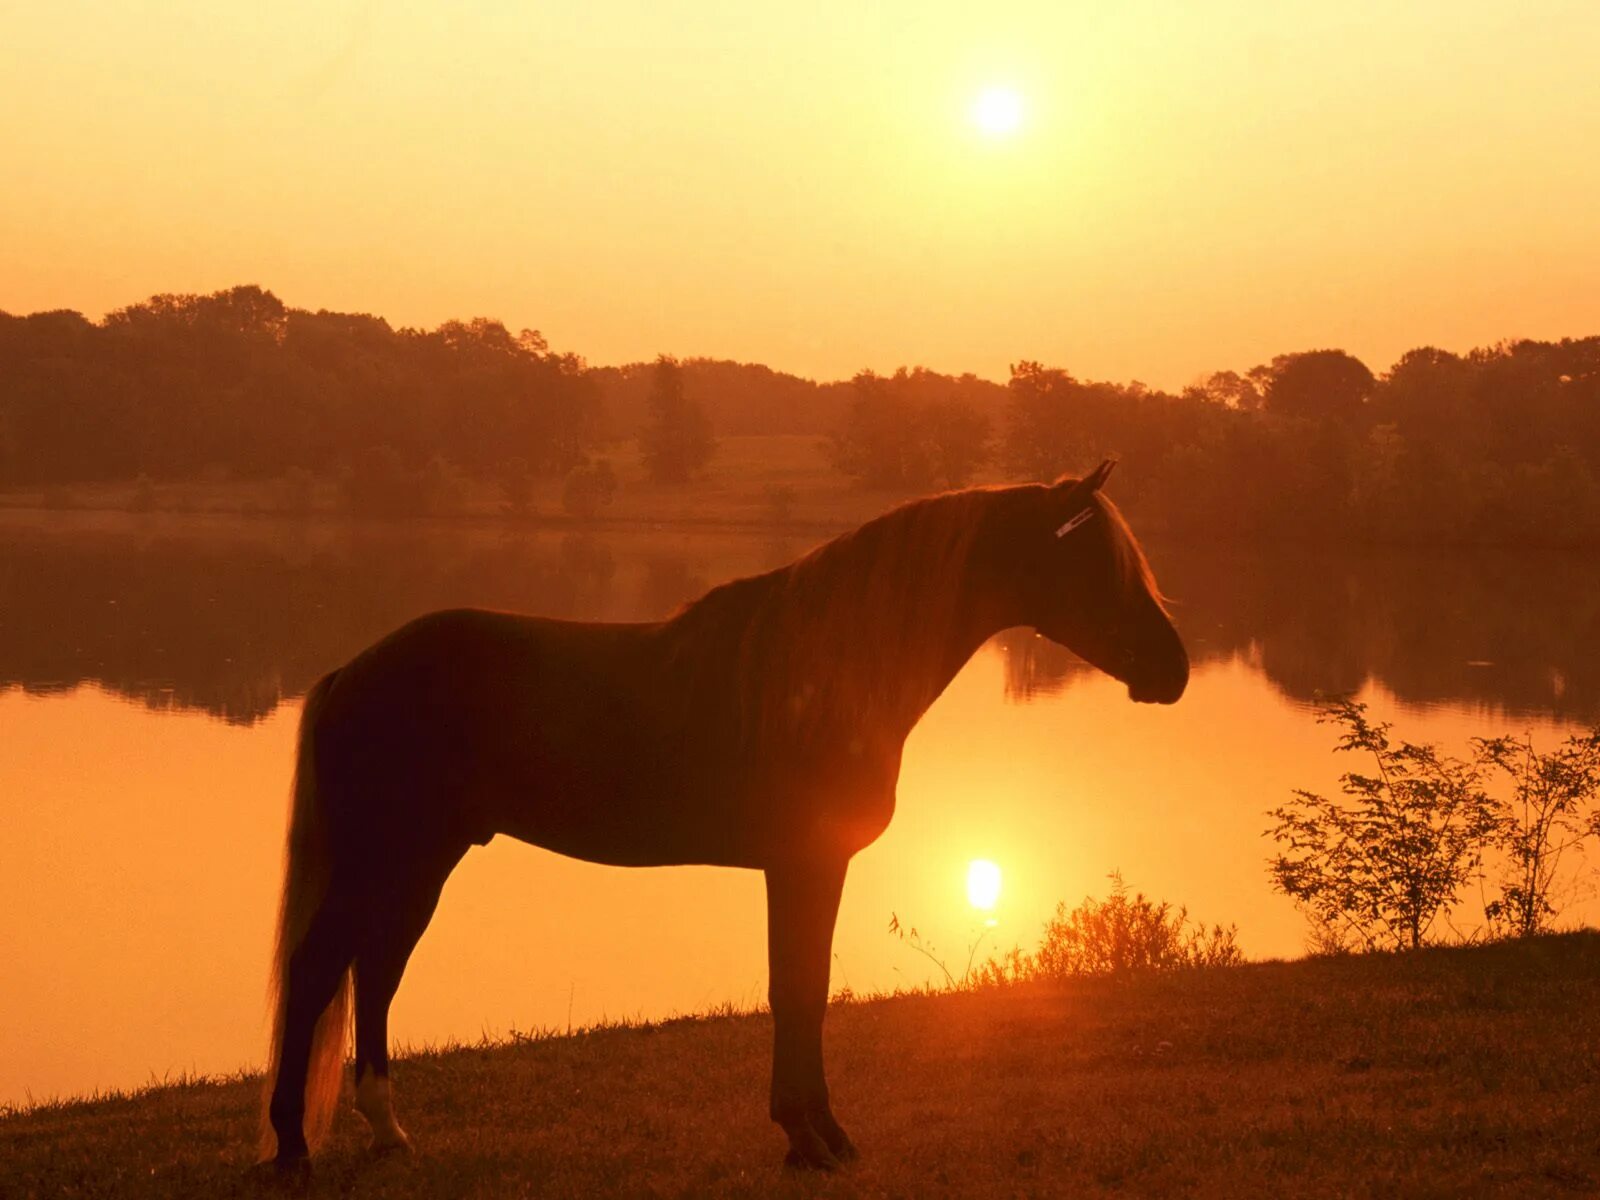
(1193, 186)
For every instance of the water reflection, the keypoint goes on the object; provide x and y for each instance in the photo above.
(1505, 634)
(173, 821)
(234, 618)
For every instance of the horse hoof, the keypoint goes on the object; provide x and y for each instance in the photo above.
(796, 1161)
(399, 1148)
(810, 1153)
(835, 1138)
(291, 1173)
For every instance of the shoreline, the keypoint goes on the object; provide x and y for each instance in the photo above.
(1445, 1071)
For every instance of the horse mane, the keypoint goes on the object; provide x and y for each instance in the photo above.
(856, 635)
(849, 635)
(1132, 566)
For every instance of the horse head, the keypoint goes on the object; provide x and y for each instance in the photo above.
(1089, 587)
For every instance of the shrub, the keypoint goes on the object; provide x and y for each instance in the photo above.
(588, 488)
(516, 484)
(1121, 935)
(442, 487)
(1540, 821)
(1384, 863)
(377, 483)
(1124, 933)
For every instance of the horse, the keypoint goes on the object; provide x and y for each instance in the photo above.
(761, 727)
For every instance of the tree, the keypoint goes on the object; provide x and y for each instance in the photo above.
(1540, 821)
(1231, 389)
(874, 445)
(957, 437)
(588, 488)
(516, 485)
(1384, 863)
(911, 431)
(677, 443)
(1318, 383)
(1039, 437)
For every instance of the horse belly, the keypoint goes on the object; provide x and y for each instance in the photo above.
(633, 801)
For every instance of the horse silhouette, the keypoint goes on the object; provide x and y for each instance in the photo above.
(760, 727)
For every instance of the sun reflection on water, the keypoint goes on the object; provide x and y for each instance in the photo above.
(983, 886)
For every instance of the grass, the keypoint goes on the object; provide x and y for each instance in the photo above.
(753, 481)
(1446, 1072)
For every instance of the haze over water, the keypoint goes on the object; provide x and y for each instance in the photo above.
(152, 669)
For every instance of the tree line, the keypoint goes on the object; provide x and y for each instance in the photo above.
(179, 385)
(237, 384)
(1498, 445)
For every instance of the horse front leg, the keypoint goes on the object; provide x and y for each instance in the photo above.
(802, 905)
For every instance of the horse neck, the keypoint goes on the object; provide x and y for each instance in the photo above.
(978, 614)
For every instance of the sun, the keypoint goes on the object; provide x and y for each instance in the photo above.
(997, 111)
(983, 884)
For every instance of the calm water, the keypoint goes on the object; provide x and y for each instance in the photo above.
(150, 676)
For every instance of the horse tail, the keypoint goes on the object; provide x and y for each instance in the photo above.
(308, 869)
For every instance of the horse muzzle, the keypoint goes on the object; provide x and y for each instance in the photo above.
(1162, 693)
(1164, 687)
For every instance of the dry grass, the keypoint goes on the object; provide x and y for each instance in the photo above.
(752, 481)
(1445, 1073)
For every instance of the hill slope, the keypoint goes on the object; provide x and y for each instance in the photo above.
(1444, 1073)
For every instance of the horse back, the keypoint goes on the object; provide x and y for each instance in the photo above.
(590, 739)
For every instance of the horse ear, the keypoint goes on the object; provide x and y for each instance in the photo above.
(1097, 479)
(1078, 493)
(1090, 483)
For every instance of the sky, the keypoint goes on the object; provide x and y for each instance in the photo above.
(1191, 187)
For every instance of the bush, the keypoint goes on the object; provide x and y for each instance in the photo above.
(1121, 935)
(1378, 871)
(1381, 866)
(516, 485)
(378, 483)
(442, 487)
(1124, 933)
(1540, 821)
(588, 488)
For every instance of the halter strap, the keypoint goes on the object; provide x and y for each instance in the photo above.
(1073, 522)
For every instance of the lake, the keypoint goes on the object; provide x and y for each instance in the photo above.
(151, 669)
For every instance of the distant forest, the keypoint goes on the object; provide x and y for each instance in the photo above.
(1498, 445)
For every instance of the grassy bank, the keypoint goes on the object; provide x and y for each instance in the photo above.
(753, 481)
(1450, 1072)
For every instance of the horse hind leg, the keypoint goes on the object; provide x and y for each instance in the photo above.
(387, 939)
(311, 1043)
(375, 1103)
